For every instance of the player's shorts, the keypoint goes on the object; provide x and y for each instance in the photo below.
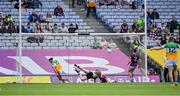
(132, 68)
(89, 75)
(60, 72)
(171, 63)
(103, 80)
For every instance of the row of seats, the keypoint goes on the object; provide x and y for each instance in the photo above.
(114, 16)
(49, 6)
(166, 9)
(8, 41)
(58, 41)
(70, 16)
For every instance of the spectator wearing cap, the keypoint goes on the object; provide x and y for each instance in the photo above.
(58, 11)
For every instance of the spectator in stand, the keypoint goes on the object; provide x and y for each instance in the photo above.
(95, 44)
(154, 32)
(63, 28)
(140, 23)
(149, 22)
(120, 3)
(5, 21)
(55, 28)
(139, 2)
(72, 28)
(129, 2)
(163, 40)
(4, 28)
(109, 2)
(47, 28)
(9, 18)
(36, 39)
(173, 24)
(73, 3)
(33, 17)
(41, 18)
(29, 4)
(91, 4)
(38, 28)
(178, 40)
(12, 27)
(49, 17)
(29, 28)
(14, 0)
(36, 4)
(23, 5)
(163, 27)
(134, 5)
(124, 27)
(1, 27)
(142, 5)
(154, 14)
(22, 28)
(101, 2)
(80, 2)
(112, 44)
(1, 17)
(134, 27)
(104, 44)
(58, 11)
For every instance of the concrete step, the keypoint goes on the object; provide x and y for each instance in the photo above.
(94, 23)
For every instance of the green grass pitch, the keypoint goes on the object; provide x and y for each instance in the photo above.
(114, 89)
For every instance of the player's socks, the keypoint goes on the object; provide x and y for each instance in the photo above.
(132, 79)
(76, 68)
